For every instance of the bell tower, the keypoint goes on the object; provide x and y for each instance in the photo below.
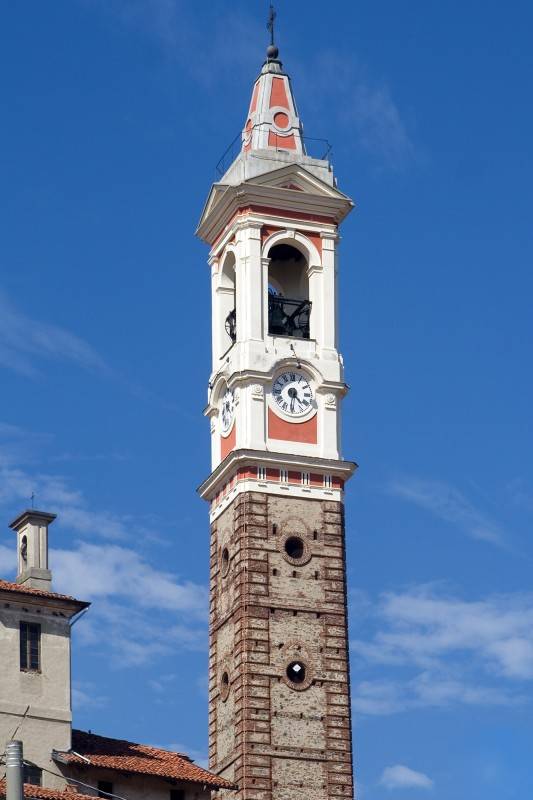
(279, 690)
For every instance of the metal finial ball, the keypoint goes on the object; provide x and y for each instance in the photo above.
(272, 51)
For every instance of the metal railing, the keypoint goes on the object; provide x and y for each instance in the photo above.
(286, 317)
(313, 147)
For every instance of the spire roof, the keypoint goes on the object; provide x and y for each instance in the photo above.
(272, 122)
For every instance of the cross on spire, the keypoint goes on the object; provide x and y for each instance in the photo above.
(270, 24)
(272, 50)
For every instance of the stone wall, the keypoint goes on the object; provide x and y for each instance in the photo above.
(279, 739)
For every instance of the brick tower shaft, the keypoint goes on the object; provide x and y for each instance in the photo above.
(275, 737)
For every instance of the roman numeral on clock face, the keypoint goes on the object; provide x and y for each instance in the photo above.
(292, 393)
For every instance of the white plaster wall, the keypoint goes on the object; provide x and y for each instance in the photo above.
(254, 163)
(37, 704)
(256, 357)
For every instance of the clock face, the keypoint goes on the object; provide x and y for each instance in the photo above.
(292, 393)
(227, 410)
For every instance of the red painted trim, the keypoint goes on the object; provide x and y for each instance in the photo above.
(227, 443)
(281, 142)
(253, 104)
(281, 120)
(288, 214)
(273, 474)
(306, 432)
(278, 94)
(315, 238)
(278, 212)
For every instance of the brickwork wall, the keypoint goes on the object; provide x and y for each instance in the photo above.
(279, 740)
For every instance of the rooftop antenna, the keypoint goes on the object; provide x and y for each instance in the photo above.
(272, 50)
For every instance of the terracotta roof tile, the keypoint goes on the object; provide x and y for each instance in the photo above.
(18, 588)
(40, 793)
(130, 757)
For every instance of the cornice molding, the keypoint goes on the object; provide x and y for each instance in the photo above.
(240, 458)
(225, 201)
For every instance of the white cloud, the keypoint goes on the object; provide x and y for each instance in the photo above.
(422, 627)
(20, 446)
(103, 571)
(198, 43)
(449, 504)
(126, 635)
(430, 689)
(85, 695)
(24, 341)
(143, 612)
(140, 613)
(379, 697)
(365, 108)
(401, 777)
(160, 685)
(453, 648)
(53, 491)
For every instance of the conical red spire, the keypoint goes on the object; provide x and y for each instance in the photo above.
(273, 122)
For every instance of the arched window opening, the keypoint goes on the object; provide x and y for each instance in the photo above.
(227, 302)
(289, 308)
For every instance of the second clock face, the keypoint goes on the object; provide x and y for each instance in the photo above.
(292, 393)
(227, 410)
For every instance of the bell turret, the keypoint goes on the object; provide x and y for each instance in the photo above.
(31, 528)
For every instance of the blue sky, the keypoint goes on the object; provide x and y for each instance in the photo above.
(115, 114)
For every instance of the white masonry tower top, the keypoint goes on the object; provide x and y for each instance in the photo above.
(272, 224)
(31, 528)
(273, 134)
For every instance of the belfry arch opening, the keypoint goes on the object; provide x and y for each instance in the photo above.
(289, 307)
(227, 300)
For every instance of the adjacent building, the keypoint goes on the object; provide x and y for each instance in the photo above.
(36, 705)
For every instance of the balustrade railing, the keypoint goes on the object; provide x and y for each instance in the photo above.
(286, 317)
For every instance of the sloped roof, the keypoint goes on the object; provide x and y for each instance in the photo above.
(19, 588)
(40, 793)
(89, 749)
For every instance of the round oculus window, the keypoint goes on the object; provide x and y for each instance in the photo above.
(296, 672)
(294, 547)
